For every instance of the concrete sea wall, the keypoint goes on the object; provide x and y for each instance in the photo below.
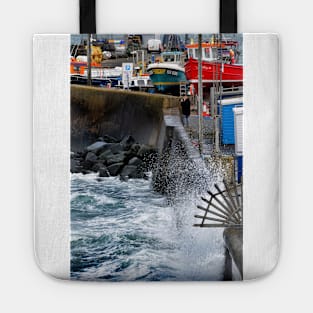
(96, 112)
(233, 238)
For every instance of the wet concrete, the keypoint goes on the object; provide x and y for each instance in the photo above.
(234, 245)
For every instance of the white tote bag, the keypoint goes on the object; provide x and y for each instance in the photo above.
(156, 156)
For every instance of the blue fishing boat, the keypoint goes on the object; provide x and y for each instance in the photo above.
(168, 73)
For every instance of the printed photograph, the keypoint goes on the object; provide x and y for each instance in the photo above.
(156, 157)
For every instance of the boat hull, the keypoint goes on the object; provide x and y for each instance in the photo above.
(166, 79)
(228, 74)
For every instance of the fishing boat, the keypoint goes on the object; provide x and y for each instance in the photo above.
(100, 76)
(141, 83)
(218, 64)
(168, 73)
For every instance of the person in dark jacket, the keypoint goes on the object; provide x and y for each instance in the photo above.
(185, 105)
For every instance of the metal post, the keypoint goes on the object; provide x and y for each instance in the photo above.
(143, 60)
(200, 94)
(89, 59)
(216, 128)
(213, 106)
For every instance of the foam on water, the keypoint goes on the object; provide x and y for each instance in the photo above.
(126, 231)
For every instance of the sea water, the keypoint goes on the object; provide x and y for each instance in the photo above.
(124, 231)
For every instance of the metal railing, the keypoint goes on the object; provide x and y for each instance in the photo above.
(224, 207)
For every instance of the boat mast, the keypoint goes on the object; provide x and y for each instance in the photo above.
(219, 58)
(89, 59)
(200, 94)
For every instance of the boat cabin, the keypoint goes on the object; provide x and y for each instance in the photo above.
(210, 52)
(141, 81)
(176, 57)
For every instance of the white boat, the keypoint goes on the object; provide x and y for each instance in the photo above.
(141, 83)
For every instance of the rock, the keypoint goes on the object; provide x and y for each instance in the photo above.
(116, 158)
(129, 154)
(127, 142)
(135, 148)
(95, 147)
(116, 148)
(106, 155)
(87, 165)
(103, 172)
(80, 155)
(96, 167)
(138, 174)
(105, 148)
(91, 157)
(144, 150)
(128, 170)
(115, 168)
(75, 167)
(135, 161)
(110, 139)
(85, 172)
(123, 178)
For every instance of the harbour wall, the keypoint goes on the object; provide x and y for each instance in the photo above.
(96, 112)
(233, 254)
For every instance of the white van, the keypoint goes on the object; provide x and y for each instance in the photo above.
(154, 45)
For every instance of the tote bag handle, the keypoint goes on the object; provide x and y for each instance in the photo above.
(228, 16)
(87, 12)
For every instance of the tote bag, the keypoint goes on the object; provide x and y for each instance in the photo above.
(156, 156)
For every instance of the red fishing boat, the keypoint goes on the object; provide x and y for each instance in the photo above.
(218, 64)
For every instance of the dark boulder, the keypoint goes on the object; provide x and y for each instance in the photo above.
(138, 174)
(127, 142)
(87, 165)
(91, 157)
(144, 151)
(85, 172)
(123, 178)
(110, 139)
(128, 170)
(106, 155)
(103, 172)
(114, 169)
(116, 148)
(135, 161)
(75, 166)
(106, 147)
(135, 148)
(96, 167)
(96, 147)
(116, 158)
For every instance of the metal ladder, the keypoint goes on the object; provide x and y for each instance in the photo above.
(182, 89)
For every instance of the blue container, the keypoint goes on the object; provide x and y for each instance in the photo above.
(239, 168)
(227, 123)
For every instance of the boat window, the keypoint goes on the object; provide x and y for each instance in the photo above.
(207, 53)
(196, 53)
(169, 58)
(214, 53)
(141, 82)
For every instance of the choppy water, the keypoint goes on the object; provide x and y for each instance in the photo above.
(124, 231)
